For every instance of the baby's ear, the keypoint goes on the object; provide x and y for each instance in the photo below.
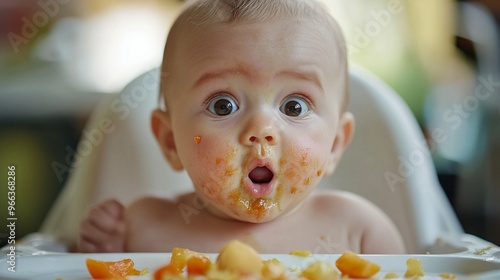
(161, 125)
(342, 140)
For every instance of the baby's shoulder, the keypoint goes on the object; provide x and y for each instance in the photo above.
(156, 206)
(346, 204)
(339, 199)
(151, 203)
(358, 216)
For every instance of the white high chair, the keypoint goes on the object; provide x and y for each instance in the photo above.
(388, 163)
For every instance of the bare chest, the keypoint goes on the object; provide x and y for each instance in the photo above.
(206, 233)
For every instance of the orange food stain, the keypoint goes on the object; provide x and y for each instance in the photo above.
(282, 161)
(230, 171)
(293, 190)
(319, 172)
(258, 207)
(197, 139)
(290, 173)
(212, 193)
(308, 181)
(219, 161)
(235, 196)
(303, 160)
(279, 192)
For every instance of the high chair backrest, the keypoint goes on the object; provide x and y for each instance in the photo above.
(388, 162)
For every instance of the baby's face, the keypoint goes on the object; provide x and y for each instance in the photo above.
(255, 110)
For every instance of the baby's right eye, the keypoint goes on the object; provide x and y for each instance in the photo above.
(222, 105)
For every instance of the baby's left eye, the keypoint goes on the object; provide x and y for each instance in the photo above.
(294, 107)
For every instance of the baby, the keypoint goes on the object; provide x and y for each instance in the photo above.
(256, 97)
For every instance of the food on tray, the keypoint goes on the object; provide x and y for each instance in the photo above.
(109, 270)
(273, 269)
(238, 260)
(319, 271)
(301, 253)
(414, 268)
(354, 266)
(391, 275)
(448, 276)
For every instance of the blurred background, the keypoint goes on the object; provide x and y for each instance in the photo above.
(58, 58)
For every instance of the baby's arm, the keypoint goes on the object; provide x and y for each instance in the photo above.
(380, 235)
(103, 229)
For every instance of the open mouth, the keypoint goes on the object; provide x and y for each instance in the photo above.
(261, 175)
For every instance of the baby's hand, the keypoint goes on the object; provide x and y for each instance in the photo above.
(103, 229)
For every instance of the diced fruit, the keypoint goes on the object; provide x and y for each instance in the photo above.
(165, 270)
(113, 269)
(320, 270)
(240, 258)
(273, 270)
(198, 265)
(354, 266)
(414, 268)
(301, 253)
(180, 257)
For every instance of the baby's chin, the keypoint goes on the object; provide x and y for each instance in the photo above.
(250, 215)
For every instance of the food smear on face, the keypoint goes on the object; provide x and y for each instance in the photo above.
(259, 207)
(256, 207)
(304, 160)
(299, 171)
(307, 182)
(197, 139)
(221, 172)
(230, 171)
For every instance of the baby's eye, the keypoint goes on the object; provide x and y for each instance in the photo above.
(222, 106)
(294, 107)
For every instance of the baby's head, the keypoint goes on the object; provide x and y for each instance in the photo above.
(256, 94)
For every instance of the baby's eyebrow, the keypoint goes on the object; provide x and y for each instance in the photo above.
(309, 76)
(219, 74)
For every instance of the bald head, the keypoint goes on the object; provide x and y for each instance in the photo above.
(200, 14)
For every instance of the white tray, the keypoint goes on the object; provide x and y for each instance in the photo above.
(72, 266)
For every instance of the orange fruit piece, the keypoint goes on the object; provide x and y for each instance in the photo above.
(198, 265)
(164, 270)
(354, 266)
(113, 269)
(180, 257)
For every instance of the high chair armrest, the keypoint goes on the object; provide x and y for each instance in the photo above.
(466, 244)
(34, 244)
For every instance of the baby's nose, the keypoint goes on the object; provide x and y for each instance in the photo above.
(268, 138)
(260, 130)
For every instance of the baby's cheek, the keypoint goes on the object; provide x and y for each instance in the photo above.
(212, 166)
(300, 170)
